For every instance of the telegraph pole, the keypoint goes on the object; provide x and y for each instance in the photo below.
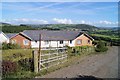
(39, 51)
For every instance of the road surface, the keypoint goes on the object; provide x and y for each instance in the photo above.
(98, 65)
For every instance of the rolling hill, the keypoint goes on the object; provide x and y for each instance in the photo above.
(18, 28)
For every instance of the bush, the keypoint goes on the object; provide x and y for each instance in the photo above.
(101, 47)
(12, 69)
(94, 42)
(26, 64)
(72, 51)
(8, 67)
(10, 46)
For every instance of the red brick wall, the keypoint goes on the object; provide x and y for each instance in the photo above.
(19, 40)
(84, 41)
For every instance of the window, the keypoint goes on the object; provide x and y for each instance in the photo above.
(46, 42)
(36, 41)
(79, 41)
(61, 42)
(88, 41)
(70, 41)
(26, 42)
(13, 41)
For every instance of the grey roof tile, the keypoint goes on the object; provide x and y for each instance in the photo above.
(10, 34)
(52, 35)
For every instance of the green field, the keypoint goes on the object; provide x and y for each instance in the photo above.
(106, 36)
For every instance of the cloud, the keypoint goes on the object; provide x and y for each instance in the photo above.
(85, 22)
(82, 22)
(63, 21)
(50, 5)
(26, 21)
(101, 23)
(105, 22)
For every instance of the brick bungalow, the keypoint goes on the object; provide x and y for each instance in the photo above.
(30, 38)
(21, 39)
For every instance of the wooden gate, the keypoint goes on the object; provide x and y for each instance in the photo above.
(52, 56)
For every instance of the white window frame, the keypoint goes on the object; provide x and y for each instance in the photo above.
(46, 42)
(25, 42)
(61, 41)
(80, 40)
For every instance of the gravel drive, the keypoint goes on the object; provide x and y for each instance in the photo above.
(98, 65)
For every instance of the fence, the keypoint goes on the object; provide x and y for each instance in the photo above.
(49, 57)
(53, 56)
(83, 49)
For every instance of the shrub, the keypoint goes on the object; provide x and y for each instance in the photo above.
(12, 69)
(69, 52)
(8, 67)
(94, 42)
(4, 46)
(26, 64)
(10, 46)
(72, 51)
(101, 47)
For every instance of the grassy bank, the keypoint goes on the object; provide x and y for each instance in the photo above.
(19, 54)
(16, 54)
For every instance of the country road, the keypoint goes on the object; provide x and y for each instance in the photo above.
(98, 65)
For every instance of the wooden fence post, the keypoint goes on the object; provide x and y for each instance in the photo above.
(35, 60)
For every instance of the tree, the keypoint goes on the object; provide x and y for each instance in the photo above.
(101, 47)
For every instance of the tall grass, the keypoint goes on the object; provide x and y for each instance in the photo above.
(16, 54)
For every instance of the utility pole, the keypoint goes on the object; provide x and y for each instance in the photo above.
(39, 51)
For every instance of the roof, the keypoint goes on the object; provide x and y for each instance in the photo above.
(21, 33)
(4, 34)
(10, 35)
(88, 36)
(52, 35)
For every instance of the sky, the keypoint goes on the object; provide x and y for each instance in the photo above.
(101, 14)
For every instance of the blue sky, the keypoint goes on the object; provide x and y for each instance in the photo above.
(104, 14)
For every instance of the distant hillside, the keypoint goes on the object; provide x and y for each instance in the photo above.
(1, 23)
(35, 25)
(8, 28)
(116, 28)
(63, 26)
(85, 27)
(14, 28)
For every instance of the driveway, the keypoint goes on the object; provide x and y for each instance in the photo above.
(98, 65)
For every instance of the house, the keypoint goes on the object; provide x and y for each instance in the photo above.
(3, 38)
(21, 39)
(31, 38)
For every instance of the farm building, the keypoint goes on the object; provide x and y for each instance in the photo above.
(31, 38)
(3, 38)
